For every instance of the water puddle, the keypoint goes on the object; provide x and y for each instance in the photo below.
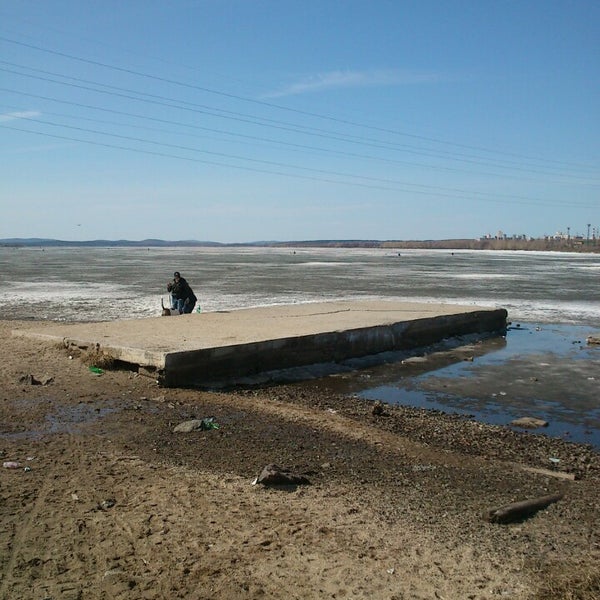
(546, 372)
(62, 419)
(71, 419)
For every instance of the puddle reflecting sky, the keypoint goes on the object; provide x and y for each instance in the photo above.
(545, 372)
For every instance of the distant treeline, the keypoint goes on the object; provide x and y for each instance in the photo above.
(455, 244)
(557, 245)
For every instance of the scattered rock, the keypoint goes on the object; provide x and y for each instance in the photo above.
(593, 340)
(32, 380)
(377, 409)
(274, 475)
(529, 423)
(196, 425)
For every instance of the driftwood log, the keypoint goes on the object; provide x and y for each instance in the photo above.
(520, 510)
(550, 473)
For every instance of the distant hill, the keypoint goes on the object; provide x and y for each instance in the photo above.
(149, 243)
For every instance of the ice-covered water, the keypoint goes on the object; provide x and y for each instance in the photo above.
(91, 284)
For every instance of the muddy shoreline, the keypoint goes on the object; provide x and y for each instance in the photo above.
(544, 371)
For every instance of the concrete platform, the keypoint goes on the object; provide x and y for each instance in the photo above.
(199, 348)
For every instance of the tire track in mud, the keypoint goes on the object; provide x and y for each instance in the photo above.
(47, 539)
(21, 535)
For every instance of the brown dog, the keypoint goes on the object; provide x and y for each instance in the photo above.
(167, 312)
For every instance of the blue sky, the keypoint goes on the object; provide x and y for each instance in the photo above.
(240, 120)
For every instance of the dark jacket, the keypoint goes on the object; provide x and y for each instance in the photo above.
(181, 290)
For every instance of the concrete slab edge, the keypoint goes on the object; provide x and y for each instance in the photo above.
(209, 364)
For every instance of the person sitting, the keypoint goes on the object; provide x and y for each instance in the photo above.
(183, 298)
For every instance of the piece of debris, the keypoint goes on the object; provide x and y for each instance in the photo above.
(414, 359)
(593, 340)
(11, 464)
(550, 473)
(32, 380)
(96, 370)
(274, 475)
(529, 423)
(196, 425)
(417, 468)
(520, 510)
(106, 504)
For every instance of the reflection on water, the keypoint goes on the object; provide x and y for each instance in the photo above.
(63, 418)
(548, 372)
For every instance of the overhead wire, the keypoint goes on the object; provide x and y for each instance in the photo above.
(384, 184)
(253, 120)
(324, 174)
(278, 106)
(193, 126)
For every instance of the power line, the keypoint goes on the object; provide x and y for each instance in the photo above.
(241, 117)
(371, 185)
(202, 161)
(281, 107)
(229, 133)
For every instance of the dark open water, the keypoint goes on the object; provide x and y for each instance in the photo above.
(544, 368)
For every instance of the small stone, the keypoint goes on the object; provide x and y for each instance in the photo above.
(187, 426)
(274, 475)
(196, 425)
(377, 408)
(529, 423)
(106, 504)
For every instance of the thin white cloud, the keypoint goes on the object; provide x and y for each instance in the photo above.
(348, 79)
(15, 116)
